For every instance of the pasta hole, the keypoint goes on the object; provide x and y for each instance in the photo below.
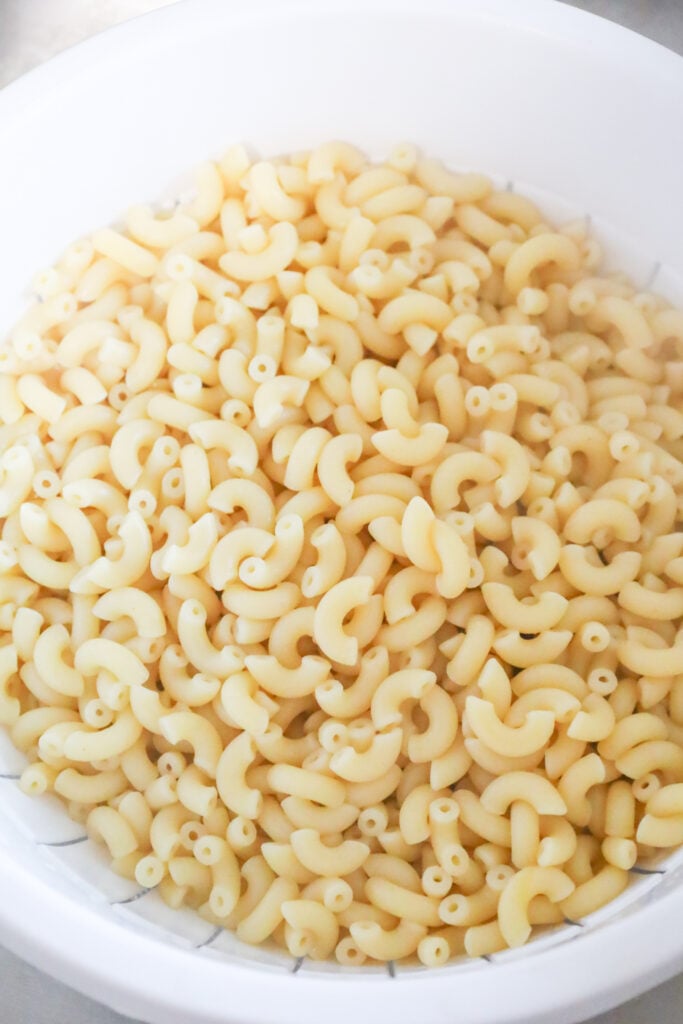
(301, 944)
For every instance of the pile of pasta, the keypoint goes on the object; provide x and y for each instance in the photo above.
(341, 578)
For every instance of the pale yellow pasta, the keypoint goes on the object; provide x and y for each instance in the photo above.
(314, 929)
(193, 555)
(304, 813)
(564, 706)
(137, 605)
(401, 902)
(329, 568)
(340, 566)
(111, 741)
(529, 882)
(526, 617)
(231, 781)
(411, 451)
(537, 545)
(656, 755)
(281, 858)
(238, 698)
(264, 572)
(107, 573)
(190, 727)
(328, 861)
(444, 831)
(584, 773)
(593, 893)
(110, 827)
(280, 681)
(193, 636)
(275, 256)
(495, 687)
(644, 650)
(525, 651)
(194, 793)
(650, 603)
(414, 814)
(416, 535)
(557, 844)
(246, 495)
(129, 254)
(26, 628)
(394, 690)
(387, 944)
(331, 157)
(17, 475)
(509, 741)
(372, 763)
(232, 549)
(256, 926)
(460, 910)
(50, 663)
(330, 613)
(441, 731)
(231, 438)
(524, 786)
(660, 832)
(306, 785)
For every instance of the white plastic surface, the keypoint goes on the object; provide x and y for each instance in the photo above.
(539, 95)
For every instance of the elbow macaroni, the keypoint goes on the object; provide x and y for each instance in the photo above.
(340, 580)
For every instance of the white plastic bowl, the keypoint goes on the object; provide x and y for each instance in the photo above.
(569, 108)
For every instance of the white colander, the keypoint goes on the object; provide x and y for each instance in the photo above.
(550, 101)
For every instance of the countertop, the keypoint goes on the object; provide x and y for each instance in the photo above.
(30, 32)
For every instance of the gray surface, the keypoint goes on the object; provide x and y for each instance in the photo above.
(30, 32)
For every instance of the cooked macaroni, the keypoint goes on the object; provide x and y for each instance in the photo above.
(341, 580)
